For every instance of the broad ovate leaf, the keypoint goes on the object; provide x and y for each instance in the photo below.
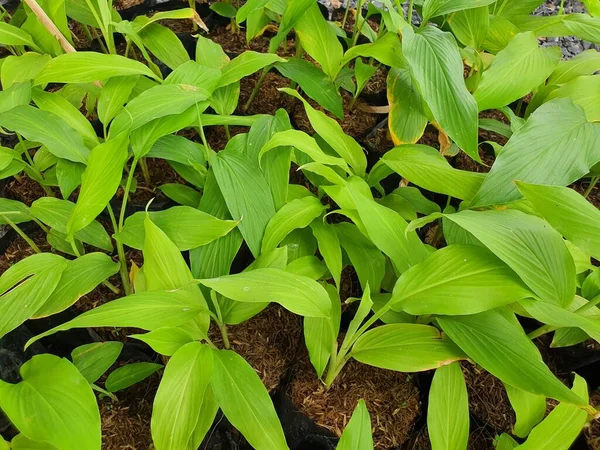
(438, 70)
(557, 146)
(357, 434)
(53, 403)
(92, 360)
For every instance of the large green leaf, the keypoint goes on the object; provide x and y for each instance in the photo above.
(562, 426)
(14, 211)
(299, 294)
(470, 26)
(23, 300)
(187, 227)
(47, 128)
(145, 310)
(319, 40)
(585, 63)
(357, 434)
(543, 152)
(246, 193)
(298, 213)
(245, 401)
(81, 276)
(426, 167)
(568, 212)
(583, 91)
(53, 403)
(448, 412)
(433, 8)
(528, 246)
(529, 408)
(246, 64)
(329, 248)
(583, 26)
(332, 133)
(405, 347)
(99, 182)
(55, 213)
(183, 396)
(130, 374)
(11, 35)
(407, 119)
(113, 97)
(387, 229)
(496, 341)
(86, 67)
(314, 83)
(458, 279)
(164, 44)
(438, 70)
(515, 71)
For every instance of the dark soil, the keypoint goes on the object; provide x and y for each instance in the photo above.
(126, 422)
(269, 99)
(217, 137)
(269, 342)
(592, 429)
(19, 249)
(391, 397)
(161, 172)
(24, 189)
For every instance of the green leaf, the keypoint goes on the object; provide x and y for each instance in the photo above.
(164, 44)
(22, 442)
(357, 434)
(496, 341)
(529, 408)
(81, 276)
(182, 397)
(301, 295)
(145, 310)
(292, 13)
(427, 168)
(448, 412)
(314, 83)
(246, 193)
(165, 340)
(515, 71)
(182, 194)
(245, 401)
(434, 8)
(224, 9)
(562, 426)
(367, 259)
(536, 149)
(585, 63)
(23, 300)
(57, 104)
(528, 246)
(55, 213)
(87, 67)
(568, 212)
(470, 26)
(187, 227)
(438, 70)
(329, 248)
(14, 211)
(583, 26)
(387, 230)
(47, 128)
(130, 374)
(386, 49)
(11, 35)
(405, 347)
(332, 133)
(68, 175)
(114, 95)
(210, 54)
(583, 91)
(456, 280)
(92, 360)
(319, 40)
(19, 94)
(298, 213)
(22, 69)
(246, 64)
(506, 442)
(406, 120)
(50, 385)
(99, 182)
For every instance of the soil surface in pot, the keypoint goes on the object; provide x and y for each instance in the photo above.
(24, 189)
(269, 342)
(391, 397)
(479, 439)
(18, 249)
(592, 429)
(269, 99)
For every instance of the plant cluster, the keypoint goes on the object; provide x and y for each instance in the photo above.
(454, 263)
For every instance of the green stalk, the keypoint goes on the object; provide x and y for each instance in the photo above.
(357, 28)
(409, 14)
(561, 10)
(145, 171)
(591, 186)
(192, 5)
(346, 14)
(227, 133)
(22, 234)
(37, 173)
(223, 329)
(121, 252)
(256, 88)
(549, 328)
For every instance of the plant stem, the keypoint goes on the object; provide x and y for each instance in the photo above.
(41, 225)
(561, 10)
(591, 186)
(145, 172)
(256, 88)
(549, 328)
(49, 25)
(223, 329)
(227, 133)
(121, 252)
(409, 14)
(192, 5)
(357, 19)
(22, 234)
(346, 14)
